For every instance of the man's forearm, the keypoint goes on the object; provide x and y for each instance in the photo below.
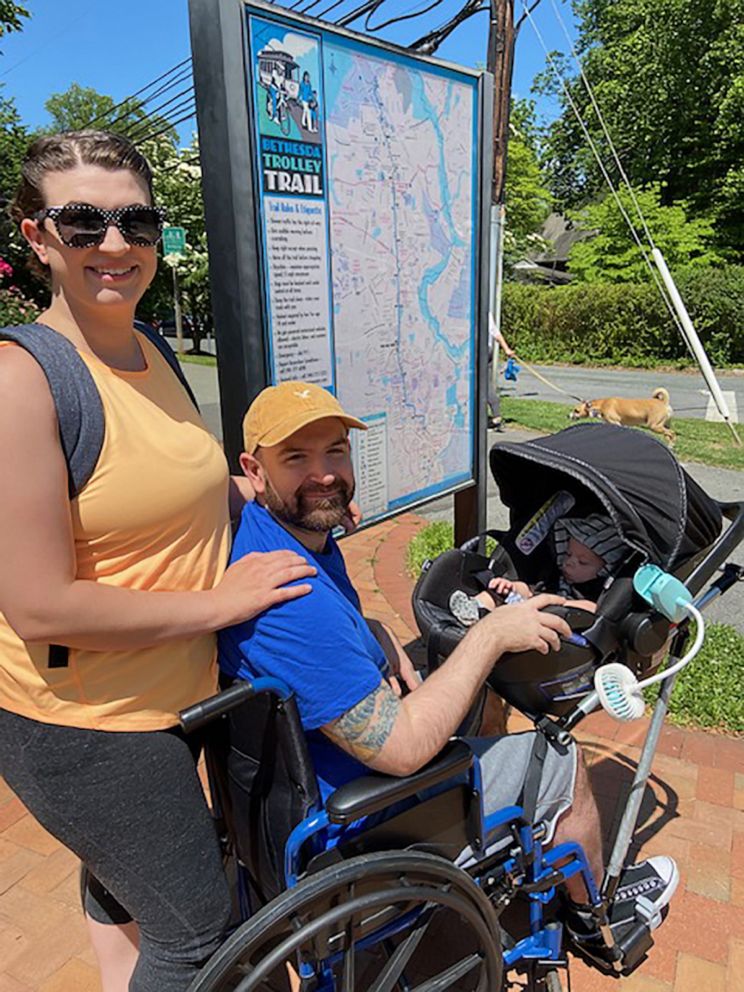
(398, 736)
(428, 717)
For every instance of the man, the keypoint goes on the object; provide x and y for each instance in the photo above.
(297, 457)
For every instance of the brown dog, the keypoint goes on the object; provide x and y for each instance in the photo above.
(654, 413)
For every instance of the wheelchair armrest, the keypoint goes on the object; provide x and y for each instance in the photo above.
(375, 792)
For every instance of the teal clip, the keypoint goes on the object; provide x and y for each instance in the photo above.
(666, 594)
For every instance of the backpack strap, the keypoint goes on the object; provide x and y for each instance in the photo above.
(75, 394)
(79, 413)
(168, 354)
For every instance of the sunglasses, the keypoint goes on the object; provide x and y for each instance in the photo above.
(79, 225)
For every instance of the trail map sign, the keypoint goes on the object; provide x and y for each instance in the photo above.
(367, 171)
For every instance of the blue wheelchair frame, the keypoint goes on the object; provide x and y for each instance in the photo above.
(537, 869)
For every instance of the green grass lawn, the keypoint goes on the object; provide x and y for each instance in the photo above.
(697, 440)
(708, 692)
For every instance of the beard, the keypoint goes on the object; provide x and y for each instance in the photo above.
(305, 510)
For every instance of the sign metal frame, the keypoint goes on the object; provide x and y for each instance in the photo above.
(227, 131)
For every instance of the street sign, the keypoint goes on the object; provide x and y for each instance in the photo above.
(174, 240)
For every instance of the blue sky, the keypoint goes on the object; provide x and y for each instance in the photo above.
(117, 48)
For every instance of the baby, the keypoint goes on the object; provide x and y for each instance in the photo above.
(586, 549)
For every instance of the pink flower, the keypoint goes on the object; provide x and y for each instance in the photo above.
(6, 271)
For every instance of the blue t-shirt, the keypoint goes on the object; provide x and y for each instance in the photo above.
(319, 645)
(306, 91)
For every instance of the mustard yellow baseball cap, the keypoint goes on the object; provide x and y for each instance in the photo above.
(279, 411)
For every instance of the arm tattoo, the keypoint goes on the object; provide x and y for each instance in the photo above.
(363, 730)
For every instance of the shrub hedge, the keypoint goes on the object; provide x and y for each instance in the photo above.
(627, 323)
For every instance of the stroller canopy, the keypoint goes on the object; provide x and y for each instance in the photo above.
(633, 478)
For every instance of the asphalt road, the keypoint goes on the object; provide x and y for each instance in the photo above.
(687, 390)
(720, 483)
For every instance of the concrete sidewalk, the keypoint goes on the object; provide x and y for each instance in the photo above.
(694, 811)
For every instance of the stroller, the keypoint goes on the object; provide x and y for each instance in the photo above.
(661, 515)
(663, 518)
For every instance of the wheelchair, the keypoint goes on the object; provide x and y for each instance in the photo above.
(383, 907)
(367, 891)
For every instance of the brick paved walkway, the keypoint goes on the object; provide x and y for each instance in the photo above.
(693, 811)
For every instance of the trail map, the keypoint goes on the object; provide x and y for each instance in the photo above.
(368, 161)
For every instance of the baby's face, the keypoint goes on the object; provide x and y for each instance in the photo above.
(580, 564)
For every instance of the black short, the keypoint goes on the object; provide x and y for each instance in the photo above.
(131, 806)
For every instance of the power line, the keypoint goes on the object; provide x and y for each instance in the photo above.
(132, 108)
(68, 26)
(155, 113)
(333, 6)
(167, 128)
(128, 99)
(162, 125)
(137, 131)
(401, 17)
(429, 43)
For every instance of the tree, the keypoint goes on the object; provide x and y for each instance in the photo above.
(612, 254)
(80, 107)
(528, 199)
(14, 140)
(177, 176)
(669, 78)
(11, 17)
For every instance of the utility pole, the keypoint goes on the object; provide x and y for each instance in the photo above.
(500, 63)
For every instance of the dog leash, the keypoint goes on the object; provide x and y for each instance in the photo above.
(547, 382)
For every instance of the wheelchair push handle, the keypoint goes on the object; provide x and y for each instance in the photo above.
(242, 690)
(209, 709)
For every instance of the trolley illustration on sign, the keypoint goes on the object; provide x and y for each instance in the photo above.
(279, 74)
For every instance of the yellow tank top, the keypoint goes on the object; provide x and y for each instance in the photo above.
(153, 516)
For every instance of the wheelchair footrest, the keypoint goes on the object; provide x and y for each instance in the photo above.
(634, 946)
(624, 955)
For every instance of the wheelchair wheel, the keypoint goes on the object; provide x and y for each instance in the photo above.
(384, 922)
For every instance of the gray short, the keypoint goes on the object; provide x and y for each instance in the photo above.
(504, 762)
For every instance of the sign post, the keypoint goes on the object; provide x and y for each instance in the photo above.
(174, 243)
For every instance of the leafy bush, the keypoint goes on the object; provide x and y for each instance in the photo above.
(627, 324)
(429, 542)
(15, 308)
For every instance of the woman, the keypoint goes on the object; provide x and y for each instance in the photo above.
(130, 575)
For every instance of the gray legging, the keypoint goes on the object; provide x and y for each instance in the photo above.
(131, 807)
